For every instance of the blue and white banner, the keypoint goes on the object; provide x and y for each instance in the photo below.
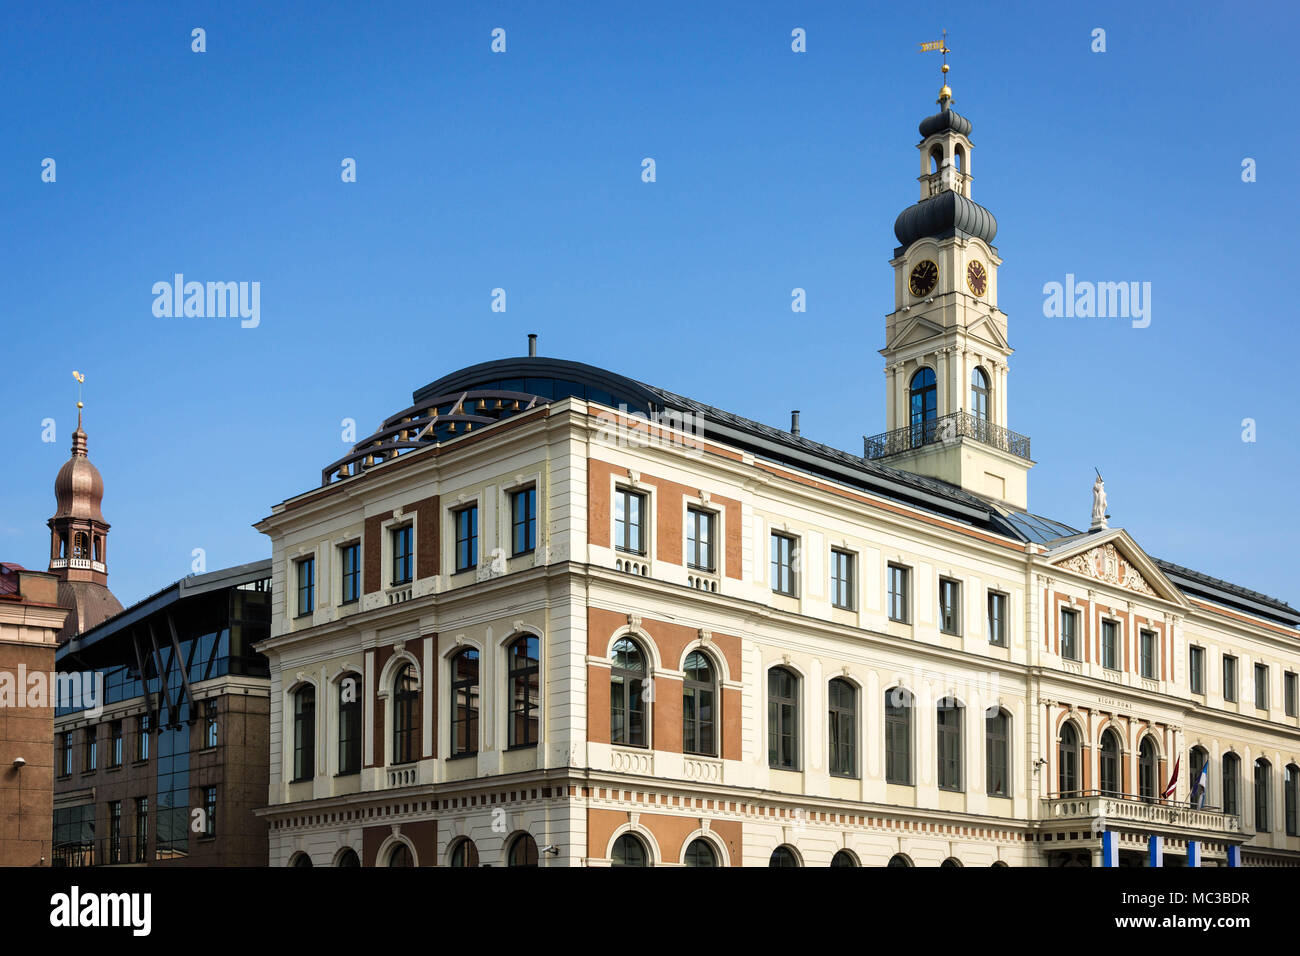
(1157, 851)
(1109, 848)
(1234, 856)
(1193, 853)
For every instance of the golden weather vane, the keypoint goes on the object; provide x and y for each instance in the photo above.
(942, 46)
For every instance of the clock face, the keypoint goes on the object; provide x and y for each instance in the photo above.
(977, 277)
(923, 279)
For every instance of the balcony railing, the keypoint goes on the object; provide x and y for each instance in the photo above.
(1102, 810)
(939, 431)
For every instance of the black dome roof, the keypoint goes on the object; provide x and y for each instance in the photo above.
(949, 213)
(944, 120)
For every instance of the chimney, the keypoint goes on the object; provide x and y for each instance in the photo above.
(794, 422)
(532, 344)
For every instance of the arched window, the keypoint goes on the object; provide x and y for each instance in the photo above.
(979, 394)
(1000, 864)
(1110, 763)
(701, 853)
(1263, 796)
(400, 855)
(629, 851)
(1231, 783)
(627, 698)
(997, 748)
(304, 733)
(523, 851)
(464, 853)
(782, 719)
(406, 715)
(80, 545)
(783, 856)
(522, 668)
(923, 403)
(348, 858)
(843, 702)
(350, 724)
(1199, 760)
(952, 863)
(936, 158)
(898, 736)
(300, 860)
(464, 697)
(1068, 761)
(843, 858)
(898, 860)
(1147, 761)
(948, 715)
(1291, 793)
(699, 706)
(959, 157)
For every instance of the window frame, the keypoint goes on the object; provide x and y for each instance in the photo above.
(995, 740)
(1070, 635)
(465, 538)
(1290, 692)
(351, 717)
(998, 636)
(466, 714)
(623, 496)
(1148, 654)
(304, 733)
(528, 677)
(305, 569)
(1263, 795)
(1110, 644)
(1067, 771)
(90, 749)
(527, 524)
(950, 588)
(898, 725)
(948, 743)
(898, 592)
(1231, 690)
(630, 700)
(350, 576)
(697, 516)
(115, 743)
(783, 750)
(1117, 771)
(401, 539)
(842, 729)
(1196, 669)
(1261, 686)
(210, 735)
(783, 560)
(694, 689)
(407, 742)
(846, 561)
(1230, 782)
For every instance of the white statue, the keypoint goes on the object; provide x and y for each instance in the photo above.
(1098, 505)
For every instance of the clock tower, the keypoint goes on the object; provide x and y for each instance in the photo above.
(946, 346)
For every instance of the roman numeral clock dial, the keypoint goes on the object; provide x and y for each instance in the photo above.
(923, 278)
(977, 278)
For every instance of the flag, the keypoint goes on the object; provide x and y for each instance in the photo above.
(1200, 785)
(1173, 780)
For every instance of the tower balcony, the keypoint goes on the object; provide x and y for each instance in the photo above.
(946, 430)
(1095, 811)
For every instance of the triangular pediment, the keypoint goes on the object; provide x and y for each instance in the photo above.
(986, 330)
(914, 331)
(1114, 558)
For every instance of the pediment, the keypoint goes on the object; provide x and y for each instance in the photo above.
(915, 331)
(1116, 560)
(986, 330)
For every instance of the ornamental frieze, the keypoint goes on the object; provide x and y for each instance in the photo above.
(1105, 563)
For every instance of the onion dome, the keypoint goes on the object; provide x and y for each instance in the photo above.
(943, 121)
(78, 487)
(947, 214)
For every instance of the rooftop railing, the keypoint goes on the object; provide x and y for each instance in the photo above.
(939, 431)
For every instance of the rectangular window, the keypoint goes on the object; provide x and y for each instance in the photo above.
(997, 751)
(900, 586)
(629, 521)
(1110, 645)
(842, 579)
(350, 563)
(1261, 686)
(523, 521)
(209, 811)
(949, 731)
(66, 764)
(949, 606)
(1229, 678)
(90, 755)
(785, 577)
(210, 719)
(1147, 654)
(997, 618)
(115, 831)
(898, 737)
(142, 737)
(699, 539)
(306, 586)
(115, 744)
(141, 828)
(1196, 669)
(402, 553)
(467, 538)
(1289, 693)
(350, 725)
(1070, 634)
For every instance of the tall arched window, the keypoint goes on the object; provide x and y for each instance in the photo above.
(464, 702)
(406, 715)
(1263, 796)
(301, 860)
(1110, 763)
(701, 853)
(899, 861)
(997, 747)
(522, 852)
(304, 733)
(1198, 760)
(400, 855)
(1068, 761)
(629, 851)
(1231, 783)
(627, 698)
(948, 715)
(350, 724)
(783, 856)
(923, 403)
(464, 853)
(80, 545)
(844, 858)
(842, 698)
(782, 719)
(898, 736)
(1147, 762)
(699, 703)
(1291, 793)
(522, 675)
(979, 394)
(348, 858)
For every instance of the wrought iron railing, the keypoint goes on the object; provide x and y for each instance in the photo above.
(938, 431)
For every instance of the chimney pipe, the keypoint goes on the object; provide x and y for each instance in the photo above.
(794, 422)
(532, 344)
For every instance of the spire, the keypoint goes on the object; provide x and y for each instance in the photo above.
(945, 93)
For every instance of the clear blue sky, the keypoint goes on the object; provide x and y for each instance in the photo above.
(522, 171)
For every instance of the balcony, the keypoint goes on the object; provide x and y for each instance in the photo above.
(1100, 811)
(941, 431)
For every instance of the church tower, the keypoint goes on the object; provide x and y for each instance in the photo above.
(946, 346)
(78, 536)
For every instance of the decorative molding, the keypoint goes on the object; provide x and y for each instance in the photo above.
(1105, 563)
(634, 620)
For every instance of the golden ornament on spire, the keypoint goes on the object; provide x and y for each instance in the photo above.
(945, 94)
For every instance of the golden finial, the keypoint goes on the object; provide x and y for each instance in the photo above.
(81, 379)
(945, 93)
